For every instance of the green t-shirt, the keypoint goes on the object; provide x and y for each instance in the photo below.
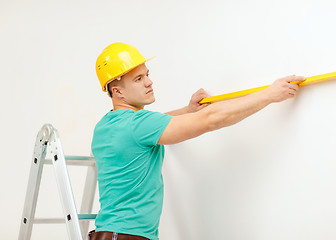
(129, 163)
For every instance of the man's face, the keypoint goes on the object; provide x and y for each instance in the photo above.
(137, 87)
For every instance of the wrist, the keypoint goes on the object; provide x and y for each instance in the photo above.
(188, 109)
(266, 96)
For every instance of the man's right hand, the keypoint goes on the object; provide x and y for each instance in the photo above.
(283, 89)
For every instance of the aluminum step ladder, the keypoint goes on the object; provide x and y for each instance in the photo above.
(77, 224)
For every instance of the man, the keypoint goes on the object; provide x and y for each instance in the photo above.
(128, 141)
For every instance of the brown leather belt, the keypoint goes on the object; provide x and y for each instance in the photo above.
(103, 235)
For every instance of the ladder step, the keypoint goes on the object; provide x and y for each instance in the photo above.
(76, 160)
(81, 217)
(48, 220)
(78, 157)
(87, 216)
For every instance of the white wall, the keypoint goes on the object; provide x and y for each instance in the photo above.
(268, 177)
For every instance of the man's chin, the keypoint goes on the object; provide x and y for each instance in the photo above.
(151, 101)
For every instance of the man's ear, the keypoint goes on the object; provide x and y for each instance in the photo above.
(116, 91)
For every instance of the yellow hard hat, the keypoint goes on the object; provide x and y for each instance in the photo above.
(116, 60)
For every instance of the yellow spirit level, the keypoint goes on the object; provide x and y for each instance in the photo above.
(308, 81)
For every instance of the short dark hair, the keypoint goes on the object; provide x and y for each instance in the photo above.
(111, 84)
(108, 90)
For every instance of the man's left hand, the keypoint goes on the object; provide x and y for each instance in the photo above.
(194, 105)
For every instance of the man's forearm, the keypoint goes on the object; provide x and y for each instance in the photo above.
(226, 113)
(235, 109)
(229, 112)
(177, 112)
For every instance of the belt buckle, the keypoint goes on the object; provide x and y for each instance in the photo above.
(115, 236)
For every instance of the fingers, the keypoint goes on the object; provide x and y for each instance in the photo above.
(293, 86)
(199, 95)
(283, 88)
(293, 89)
(202, 92)
(299, 78)
(292, 92)
(194, 104)
(294, 78)
(203, 105)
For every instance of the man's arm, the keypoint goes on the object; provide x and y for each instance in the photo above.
(226, 113)
(193, 106)
(178, 112)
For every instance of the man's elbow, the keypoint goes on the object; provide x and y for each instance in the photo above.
(218, 120)
(182, 128)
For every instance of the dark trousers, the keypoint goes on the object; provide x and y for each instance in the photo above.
(103, 235)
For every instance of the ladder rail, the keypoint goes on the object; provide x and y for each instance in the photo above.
(88, 196)
(34, 183)
(64, 187)
(77, 224)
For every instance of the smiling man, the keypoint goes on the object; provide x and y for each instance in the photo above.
(128, 141)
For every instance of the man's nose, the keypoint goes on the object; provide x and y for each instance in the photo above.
(148, 82)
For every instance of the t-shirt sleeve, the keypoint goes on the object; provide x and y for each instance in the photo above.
(148, 126)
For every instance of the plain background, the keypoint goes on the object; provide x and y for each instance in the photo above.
(272, 176)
